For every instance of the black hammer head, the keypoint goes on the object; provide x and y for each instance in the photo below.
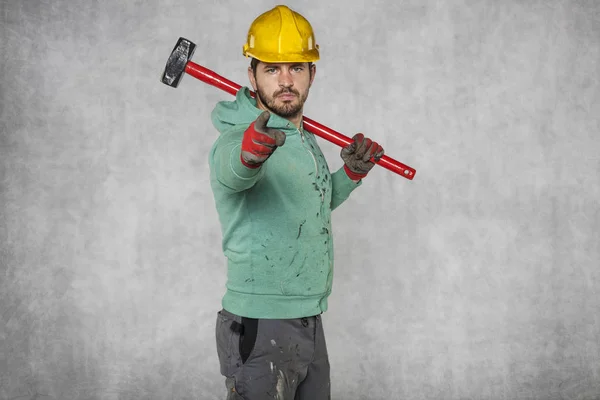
(175, 68)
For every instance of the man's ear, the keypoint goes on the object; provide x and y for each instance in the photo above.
(252, 78)
(313, 71)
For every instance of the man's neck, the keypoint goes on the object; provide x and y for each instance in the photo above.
(297, 121)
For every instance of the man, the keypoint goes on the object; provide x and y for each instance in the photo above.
(274, 195)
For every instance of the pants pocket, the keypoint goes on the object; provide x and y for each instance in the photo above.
(237, 341)
(224, 339)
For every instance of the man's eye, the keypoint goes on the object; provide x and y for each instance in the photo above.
(270, 70)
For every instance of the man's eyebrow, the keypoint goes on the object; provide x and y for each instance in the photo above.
(298, 64)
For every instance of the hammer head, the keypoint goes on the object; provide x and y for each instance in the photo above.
(175, 68)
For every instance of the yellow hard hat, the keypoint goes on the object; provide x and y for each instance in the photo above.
(281, 35)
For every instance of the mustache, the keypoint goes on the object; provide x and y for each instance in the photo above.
(286, 91)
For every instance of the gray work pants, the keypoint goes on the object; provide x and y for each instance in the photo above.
(282, 359)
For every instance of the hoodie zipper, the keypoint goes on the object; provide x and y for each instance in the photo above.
(316, 164)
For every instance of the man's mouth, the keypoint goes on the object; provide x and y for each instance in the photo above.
(287, 96)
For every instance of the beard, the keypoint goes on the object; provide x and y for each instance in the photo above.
(287, 108)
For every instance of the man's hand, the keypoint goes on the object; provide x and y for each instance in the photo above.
(260, 142)
(358, 156)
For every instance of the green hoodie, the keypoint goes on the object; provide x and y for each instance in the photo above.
(276, 219)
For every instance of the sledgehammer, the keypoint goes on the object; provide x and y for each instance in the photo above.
(179, 62)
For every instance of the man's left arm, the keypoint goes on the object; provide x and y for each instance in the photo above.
(359, 157)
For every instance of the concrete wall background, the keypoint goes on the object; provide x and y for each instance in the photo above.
(480, 279)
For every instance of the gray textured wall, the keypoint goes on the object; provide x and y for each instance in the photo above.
(480, 279)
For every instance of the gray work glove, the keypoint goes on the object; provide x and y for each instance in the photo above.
(358, 156)
(260, 142)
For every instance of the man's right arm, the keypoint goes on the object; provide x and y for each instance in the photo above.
(227, 164)
(238, 157)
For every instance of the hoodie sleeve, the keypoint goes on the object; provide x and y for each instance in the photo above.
(226, 165)
(342, 186)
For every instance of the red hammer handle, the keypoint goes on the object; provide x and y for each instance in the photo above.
(212, 78)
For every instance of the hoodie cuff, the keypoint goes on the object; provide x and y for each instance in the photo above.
(239, 168)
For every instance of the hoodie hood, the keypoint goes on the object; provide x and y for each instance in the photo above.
(242, 112)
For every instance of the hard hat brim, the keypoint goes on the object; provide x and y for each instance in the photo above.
(309, 56)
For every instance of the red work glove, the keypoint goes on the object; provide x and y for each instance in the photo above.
(359, 155)
(260, 142)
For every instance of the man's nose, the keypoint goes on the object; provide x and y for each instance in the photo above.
(285, 79)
